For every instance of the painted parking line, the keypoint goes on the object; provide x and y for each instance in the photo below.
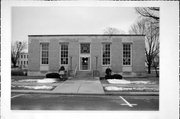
(17, 95)
(127, 103)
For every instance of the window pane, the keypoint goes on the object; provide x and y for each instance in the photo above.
(64, 53)
(44, 53)
(106, 54)
(126, 54)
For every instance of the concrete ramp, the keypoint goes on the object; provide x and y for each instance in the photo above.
(91, 87)
(80, 86)
(68, 86)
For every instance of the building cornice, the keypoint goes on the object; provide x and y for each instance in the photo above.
(56, 35)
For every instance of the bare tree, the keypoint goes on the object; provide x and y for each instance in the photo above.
(111, 30)
(139, 27)
(148, 27)
(156, 65)
(149, 12)
(16, 49)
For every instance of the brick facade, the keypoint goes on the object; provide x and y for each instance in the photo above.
(116, 50)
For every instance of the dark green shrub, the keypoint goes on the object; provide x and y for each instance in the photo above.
(19, 72)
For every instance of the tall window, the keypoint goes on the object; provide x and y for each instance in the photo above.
(64, 53)
(44, 53)
(127, 54)
(106, 54)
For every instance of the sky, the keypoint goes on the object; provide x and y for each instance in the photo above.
(69, 20)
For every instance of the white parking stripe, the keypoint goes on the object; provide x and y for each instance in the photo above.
(127, 103)
(17, 95)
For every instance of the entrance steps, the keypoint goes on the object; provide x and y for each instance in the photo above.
(81, 74)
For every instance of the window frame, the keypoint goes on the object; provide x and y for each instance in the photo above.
(130, 54)
(87, 43)
(103, 43)
(41, 53)
(60, 53)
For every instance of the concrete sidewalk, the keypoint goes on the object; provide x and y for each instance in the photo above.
(80, 86)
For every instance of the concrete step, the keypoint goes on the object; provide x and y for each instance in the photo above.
(84, 74)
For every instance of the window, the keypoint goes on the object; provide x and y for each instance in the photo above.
(21, 56)
(64, 53)
(24, 62)
(21, 62)
(106, 54)
(85, 48)
(127, 54)
(44, 53)
(27, 62)
(24, 56)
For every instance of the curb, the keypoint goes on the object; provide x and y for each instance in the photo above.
(93, 94)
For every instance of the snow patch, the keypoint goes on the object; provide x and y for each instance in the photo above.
(113, 88)
(29, 80)
(117, 81)
(116, 88)
(38, 87)
(123, 81)
(45, 80)
(34, 87)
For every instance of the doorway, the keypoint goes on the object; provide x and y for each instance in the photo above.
(85, 63)
(85, 55)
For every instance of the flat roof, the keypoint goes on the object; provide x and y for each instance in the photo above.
(86, 35)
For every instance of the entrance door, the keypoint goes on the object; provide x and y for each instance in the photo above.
(85, 63)
(85, 54)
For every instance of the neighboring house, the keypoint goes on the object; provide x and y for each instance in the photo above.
(23, 60)
(124, 54)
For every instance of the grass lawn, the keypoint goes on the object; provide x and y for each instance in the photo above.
(16, 78)
(153, 79)
(133, 87)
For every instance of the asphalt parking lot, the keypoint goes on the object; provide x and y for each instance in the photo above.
(20, 101)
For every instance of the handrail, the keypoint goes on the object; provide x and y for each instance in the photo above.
(75, 70)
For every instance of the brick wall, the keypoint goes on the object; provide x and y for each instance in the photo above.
(34, 55)
(138, 52)
(138, 55)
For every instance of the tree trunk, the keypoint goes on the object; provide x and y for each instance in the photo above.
(14, 64)
(149, 69)
(157, 74)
